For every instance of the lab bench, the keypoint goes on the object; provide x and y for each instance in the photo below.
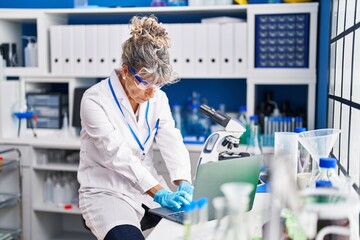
(169, 230)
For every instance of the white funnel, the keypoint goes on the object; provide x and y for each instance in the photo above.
(319, 144)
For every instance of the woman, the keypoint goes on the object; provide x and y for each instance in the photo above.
(121, 117)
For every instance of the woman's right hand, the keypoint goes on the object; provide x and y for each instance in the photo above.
(170, 199)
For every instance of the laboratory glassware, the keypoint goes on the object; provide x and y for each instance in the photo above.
(304, 163)
(244, 120)
(253, 147)
(286, 147)
(220, 208)
(319, 144)
(327, 176)
(337, 212)
(237, 196)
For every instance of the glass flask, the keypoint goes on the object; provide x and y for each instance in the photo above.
(237, 196)
(253, 147)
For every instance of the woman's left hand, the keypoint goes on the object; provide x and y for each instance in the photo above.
(186, 187)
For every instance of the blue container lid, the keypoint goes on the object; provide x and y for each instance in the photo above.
(202, 202)
(242, 109)
(254, 117)
(323, 184)
(327, 162)
(190, 207)
(300, 129)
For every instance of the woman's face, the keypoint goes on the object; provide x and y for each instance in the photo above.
(132, 90)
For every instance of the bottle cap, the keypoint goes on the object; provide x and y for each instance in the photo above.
(242, 109)
(327, 162)
(254, 117)
(300, 129)
(195, 106)
(320, 184)
(202, 202)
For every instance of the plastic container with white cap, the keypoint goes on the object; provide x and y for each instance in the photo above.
(31, 52)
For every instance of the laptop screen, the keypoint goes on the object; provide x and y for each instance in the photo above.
(210, 176)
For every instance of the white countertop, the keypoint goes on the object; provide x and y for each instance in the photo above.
(168, 230)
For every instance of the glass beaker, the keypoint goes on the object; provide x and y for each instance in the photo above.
(286, 146)
(237, 196)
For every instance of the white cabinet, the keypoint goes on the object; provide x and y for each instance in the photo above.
(305, 75)
(11, 22)
(52, 221)
(55, 206)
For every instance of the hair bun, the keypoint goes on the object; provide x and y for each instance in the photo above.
(143, 28)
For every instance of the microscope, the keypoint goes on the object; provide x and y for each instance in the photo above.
(222, 145)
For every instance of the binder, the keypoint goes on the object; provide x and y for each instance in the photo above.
(175, 51)
(78, 42)
(227, 49)
(201, 46)
(125, 33)
(91, 49)
(56, 48)
(240, 61)
(67, 49)
(213, 36)
(188, 49)
(103, 43)
(115, 49)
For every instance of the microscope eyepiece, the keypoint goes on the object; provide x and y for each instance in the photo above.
(217, 116)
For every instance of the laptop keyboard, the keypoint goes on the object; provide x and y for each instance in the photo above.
(177, 216)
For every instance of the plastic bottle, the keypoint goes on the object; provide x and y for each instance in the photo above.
(31, 52)
(177, 116)
(242, 115)
(202, 205)
(65, 125)
(254, 120)
(190, 218)
(327, 176)
(48, 190)
(67, 194)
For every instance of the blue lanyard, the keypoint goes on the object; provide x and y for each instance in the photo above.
(131, 130)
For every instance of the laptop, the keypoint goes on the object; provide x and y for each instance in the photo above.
(211, 176)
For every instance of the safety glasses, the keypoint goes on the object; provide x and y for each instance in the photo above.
(142, 84)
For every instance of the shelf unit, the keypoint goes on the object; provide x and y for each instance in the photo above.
(50, 218)
(51, 221)
(10, 194)
(284, 76)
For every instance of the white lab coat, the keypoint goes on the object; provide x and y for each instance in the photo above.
(110, 163)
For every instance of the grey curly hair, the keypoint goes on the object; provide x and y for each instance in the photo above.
(146, 51)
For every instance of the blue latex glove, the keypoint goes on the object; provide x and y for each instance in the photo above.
(186, 187)
(172, 199)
